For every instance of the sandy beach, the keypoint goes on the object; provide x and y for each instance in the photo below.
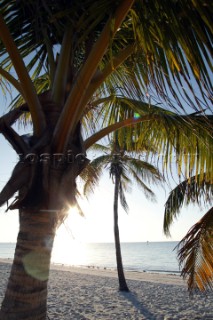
(92, 294)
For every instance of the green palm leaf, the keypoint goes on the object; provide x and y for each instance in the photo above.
(172, 41)
(196, 254)
(195, 190)
(186, 137)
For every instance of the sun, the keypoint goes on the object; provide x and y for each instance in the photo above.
(72, 225)
(68, 247)
(73, 211)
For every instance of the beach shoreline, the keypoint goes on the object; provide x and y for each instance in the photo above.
(92, 294)
(157, 277)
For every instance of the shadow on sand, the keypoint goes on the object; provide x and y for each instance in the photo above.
(142, 311)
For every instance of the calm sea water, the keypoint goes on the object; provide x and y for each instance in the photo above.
(139, 256)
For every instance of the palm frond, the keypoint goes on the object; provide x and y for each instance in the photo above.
(170, 35)
(100, 148)
(145, 170)
(92, 173)
(195, 254)
(123, 198)
(21, 179)
(79, 209)
(146, 190)
(193, 190)
(188, 138)
(172, 43)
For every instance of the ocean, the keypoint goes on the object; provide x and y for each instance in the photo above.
(139, 256)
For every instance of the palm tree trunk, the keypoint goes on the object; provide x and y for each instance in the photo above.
(26, 293)
(121, 277)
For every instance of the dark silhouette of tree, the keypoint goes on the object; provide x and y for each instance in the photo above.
(124, 169)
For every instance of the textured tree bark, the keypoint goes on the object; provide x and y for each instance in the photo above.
(121, 277)
(26, 293)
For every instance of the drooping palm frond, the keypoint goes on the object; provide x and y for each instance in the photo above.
(41, 25)
(41, 84)
(92, 174)
(171, 44)
(141, 172)
(157, 48)
(100, 148)
(168, 30)
(162, 56)
(122, 197)
(196, 254)
(146, 170)
(193, 190)
(188, 138)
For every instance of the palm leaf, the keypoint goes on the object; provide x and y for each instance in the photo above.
(99, 148)
(21, 179)
(92, 173)
(187, 137)
(196, 254)
(144, 169)
(172, 42)
(123, 198)
(146, 190)
(193, 190)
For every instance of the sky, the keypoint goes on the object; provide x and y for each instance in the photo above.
(144, 221)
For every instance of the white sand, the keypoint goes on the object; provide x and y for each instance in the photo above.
(92, 294)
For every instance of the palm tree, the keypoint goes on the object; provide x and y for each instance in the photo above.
(196, 248)
(78, 64)
(122, 167)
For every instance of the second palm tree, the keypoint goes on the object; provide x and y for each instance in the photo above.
(122, 166)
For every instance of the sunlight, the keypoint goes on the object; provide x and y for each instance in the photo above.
(71, 253)
(73, 210)
(67, 249)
